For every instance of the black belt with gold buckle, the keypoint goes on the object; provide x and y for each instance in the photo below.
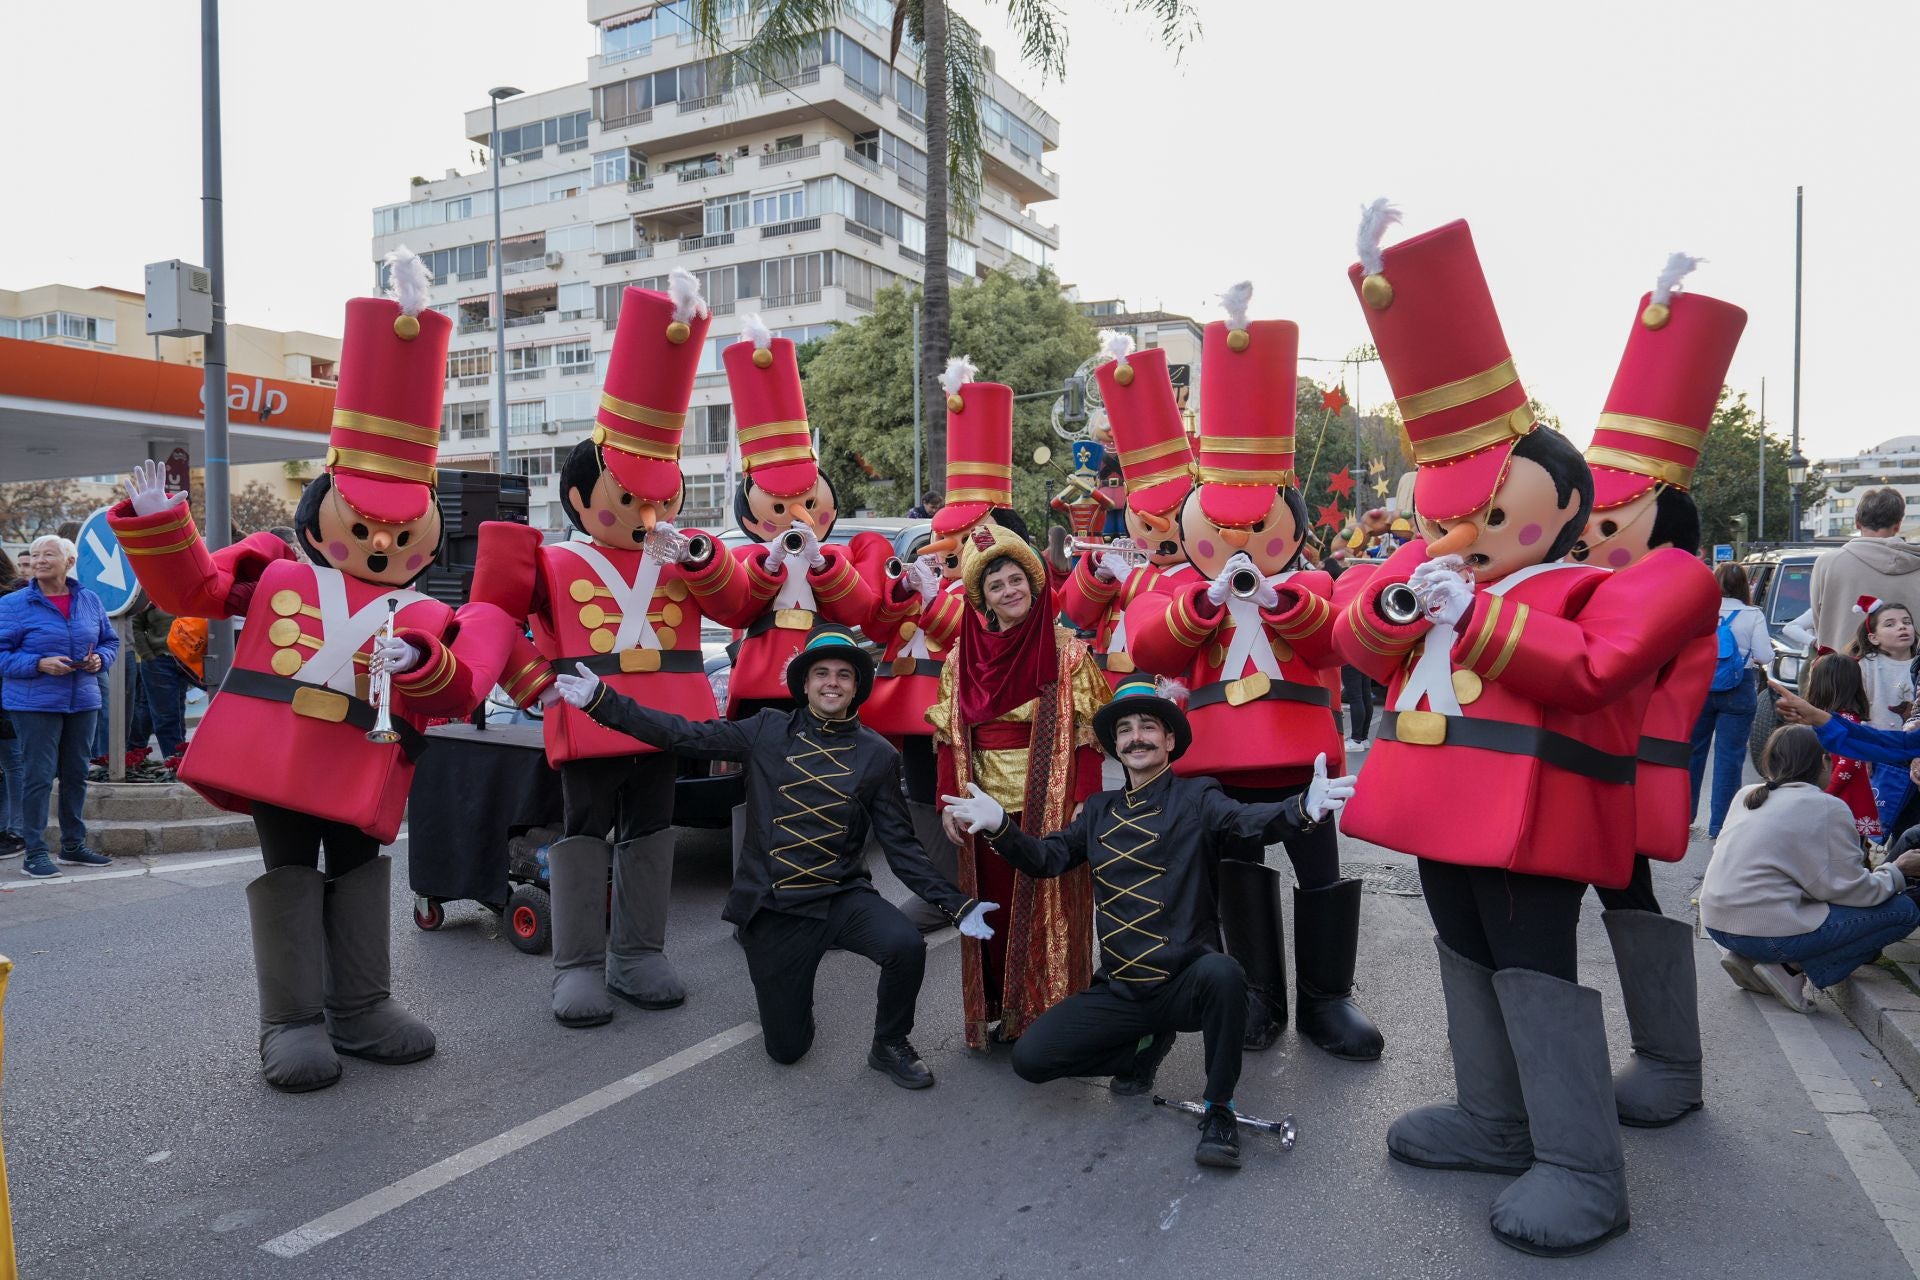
(632, 661)
(1556, 749)
(318, 702)
(1258, 687)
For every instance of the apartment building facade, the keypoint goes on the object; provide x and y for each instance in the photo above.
(796, 192)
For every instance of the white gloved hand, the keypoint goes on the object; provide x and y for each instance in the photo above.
(1445, 593)
(973, 926)
(1443, 565)
(924, 576)
(578, 690)
(1268, 595)
(1112, 567)
(1222, 586)
(549, 696)
(1326, 796)
(393, 656)
(147, 489)
(979, 811)
(810, 553)
(776, 557)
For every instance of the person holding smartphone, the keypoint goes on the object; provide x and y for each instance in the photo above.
(55, 637)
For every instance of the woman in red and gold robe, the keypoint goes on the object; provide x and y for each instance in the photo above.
(1015, 715)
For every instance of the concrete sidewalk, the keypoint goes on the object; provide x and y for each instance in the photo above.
(1883, 1001)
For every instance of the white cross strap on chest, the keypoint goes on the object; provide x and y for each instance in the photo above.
(1432, 675)
(795, 591)
(344, 631)
(632, 599)
(1250, 644)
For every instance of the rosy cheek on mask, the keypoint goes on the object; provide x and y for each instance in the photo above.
(1276, 548)
(605, 518)
(1531, 534)
(1619, 557)
(1205, 548)
(414, 562)
(336, 551)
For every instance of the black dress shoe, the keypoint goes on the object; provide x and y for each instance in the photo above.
(898, 1059)
(1219, 1139)
(1146, 1062)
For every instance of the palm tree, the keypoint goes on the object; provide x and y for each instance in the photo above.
(954, 78)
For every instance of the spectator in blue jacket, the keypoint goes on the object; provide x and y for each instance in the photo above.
(54, 639)
(12, 843)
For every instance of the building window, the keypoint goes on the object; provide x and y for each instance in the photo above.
(572, 408)
(576, 300)
(779, 206)
(476, 362)
(704, 494)
(527, 417)
(464, 421)
(708, 427)
(573, 357)
(630, 39)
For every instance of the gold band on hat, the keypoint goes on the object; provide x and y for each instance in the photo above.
(1677, 474)
(391, 428)
(1458, 444)
(380, 464)
(1246, 444)
(1674, 433)
(795, 426)
(993, 497)
(1130, 458)
(639, 446)
(1234, 475)
(1452, 395)
(641, 414)
(980, 468)
(767, 457)
(1137, 484)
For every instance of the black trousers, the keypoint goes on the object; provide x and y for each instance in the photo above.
(1097, 1032)
(618, 798)
(1505, 919)
(1315, 856)
(289, 838)
(919, 768)
(1356, 689)
(783, 954)
(1638, 895)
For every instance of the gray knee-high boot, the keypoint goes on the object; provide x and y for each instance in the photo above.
(944, 855)
(1575, 1196)
(637, 966)
(1654, 954)
(362, 1017)
(289, 955)
(577, 883)
(1485, 1128)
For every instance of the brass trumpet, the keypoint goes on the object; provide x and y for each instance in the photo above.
(1245, 584)
(894, 568)
(1400, 604)
(792, 542)
(1126, 547)
(381, 691)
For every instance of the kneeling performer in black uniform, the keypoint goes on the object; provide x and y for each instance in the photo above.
(817, 780)
(1155, 849)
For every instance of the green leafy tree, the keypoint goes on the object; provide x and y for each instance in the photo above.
(1727, 482)
(33, 508)
(859, 387)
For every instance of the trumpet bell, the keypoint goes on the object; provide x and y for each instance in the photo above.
(1399, 605)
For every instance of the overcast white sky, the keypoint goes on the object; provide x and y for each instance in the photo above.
(1583, 142)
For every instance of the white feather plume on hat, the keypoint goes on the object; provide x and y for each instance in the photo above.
(1117, 346)
(407, 280)
(684, 288)
(1374, 221)
(754, 329)
(960, 371)
(1679, 266)
(1234, 301)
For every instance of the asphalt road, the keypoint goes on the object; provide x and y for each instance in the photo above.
(141, 1141)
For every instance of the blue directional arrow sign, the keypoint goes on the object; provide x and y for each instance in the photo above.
(103, 567)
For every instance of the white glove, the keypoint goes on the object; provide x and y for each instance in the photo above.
(393, 656)
(776, 557)
(147, 489)
(810, 553)
(972, 924)
(1222, 587)
(549, 696)
(979, 811)
(1268, 595)
(1326, 796)
(1112, 567)
(924, 576)
(1445, 592)
(578, 690)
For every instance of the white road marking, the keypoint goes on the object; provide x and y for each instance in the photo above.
(134, 872)
(1883, 1173)
(368, 1207)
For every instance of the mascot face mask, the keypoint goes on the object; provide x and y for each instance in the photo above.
(1272, 540)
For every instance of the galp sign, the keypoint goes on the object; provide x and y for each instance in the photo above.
(258, 399)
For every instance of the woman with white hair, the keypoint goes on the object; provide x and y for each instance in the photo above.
(54, 638)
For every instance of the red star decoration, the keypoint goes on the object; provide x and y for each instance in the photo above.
(1341, 482)
(1333, 400)
(1330, 516)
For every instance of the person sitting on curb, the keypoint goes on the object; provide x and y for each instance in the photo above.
(1787, 894)
(817, 781)
(1155, 849)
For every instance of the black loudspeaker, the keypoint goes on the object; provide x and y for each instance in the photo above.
(467, 499)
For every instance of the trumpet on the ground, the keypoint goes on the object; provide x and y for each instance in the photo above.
(380, 692)
(1132, 551)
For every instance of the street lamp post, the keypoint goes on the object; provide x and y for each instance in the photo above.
(499, 281)
(1796, 475)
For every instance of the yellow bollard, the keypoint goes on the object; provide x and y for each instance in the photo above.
(8, 1271)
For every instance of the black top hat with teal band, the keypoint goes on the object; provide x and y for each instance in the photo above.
(1142, 696)
(830, 640)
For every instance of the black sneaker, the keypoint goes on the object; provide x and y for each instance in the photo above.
(11, 845)
(901, 1063)
(39, 866)
(1219, 1139)
(84, 857)
(1146, 1062)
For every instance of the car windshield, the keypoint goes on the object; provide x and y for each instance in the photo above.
(1790, 592)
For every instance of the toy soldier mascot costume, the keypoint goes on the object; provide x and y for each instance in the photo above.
(1643, 456)
(1517, 684)
(291, 737)
(818, 783)
(1250, 633)
(627, 600)
(1155, 849)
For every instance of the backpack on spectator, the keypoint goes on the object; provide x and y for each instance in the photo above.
(1731, 668)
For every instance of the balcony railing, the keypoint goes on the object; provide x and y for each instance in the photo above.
(687, 106)
(793, 228)
(621, 122)
(865, 233)
(911, 255)
(465, 276)
(859, 300)
(790, 155)
(700, 172)
(910, 184)
(908, 116)
(518, 265)
(791, 299)
(474, 380)
(525, 375)
(810, 76)
(694, 244)
(869, 165)
(515, 322)
(720, 308)
(639, 184)
(473, 326)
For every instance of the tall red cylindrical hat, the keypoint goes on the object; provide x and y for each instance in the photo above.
(979, 449)
(650, 373)
(1246, 412)
(385, 438)
(1657, 414)
(769, 413)
(1155, 455)
(1461, 403)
